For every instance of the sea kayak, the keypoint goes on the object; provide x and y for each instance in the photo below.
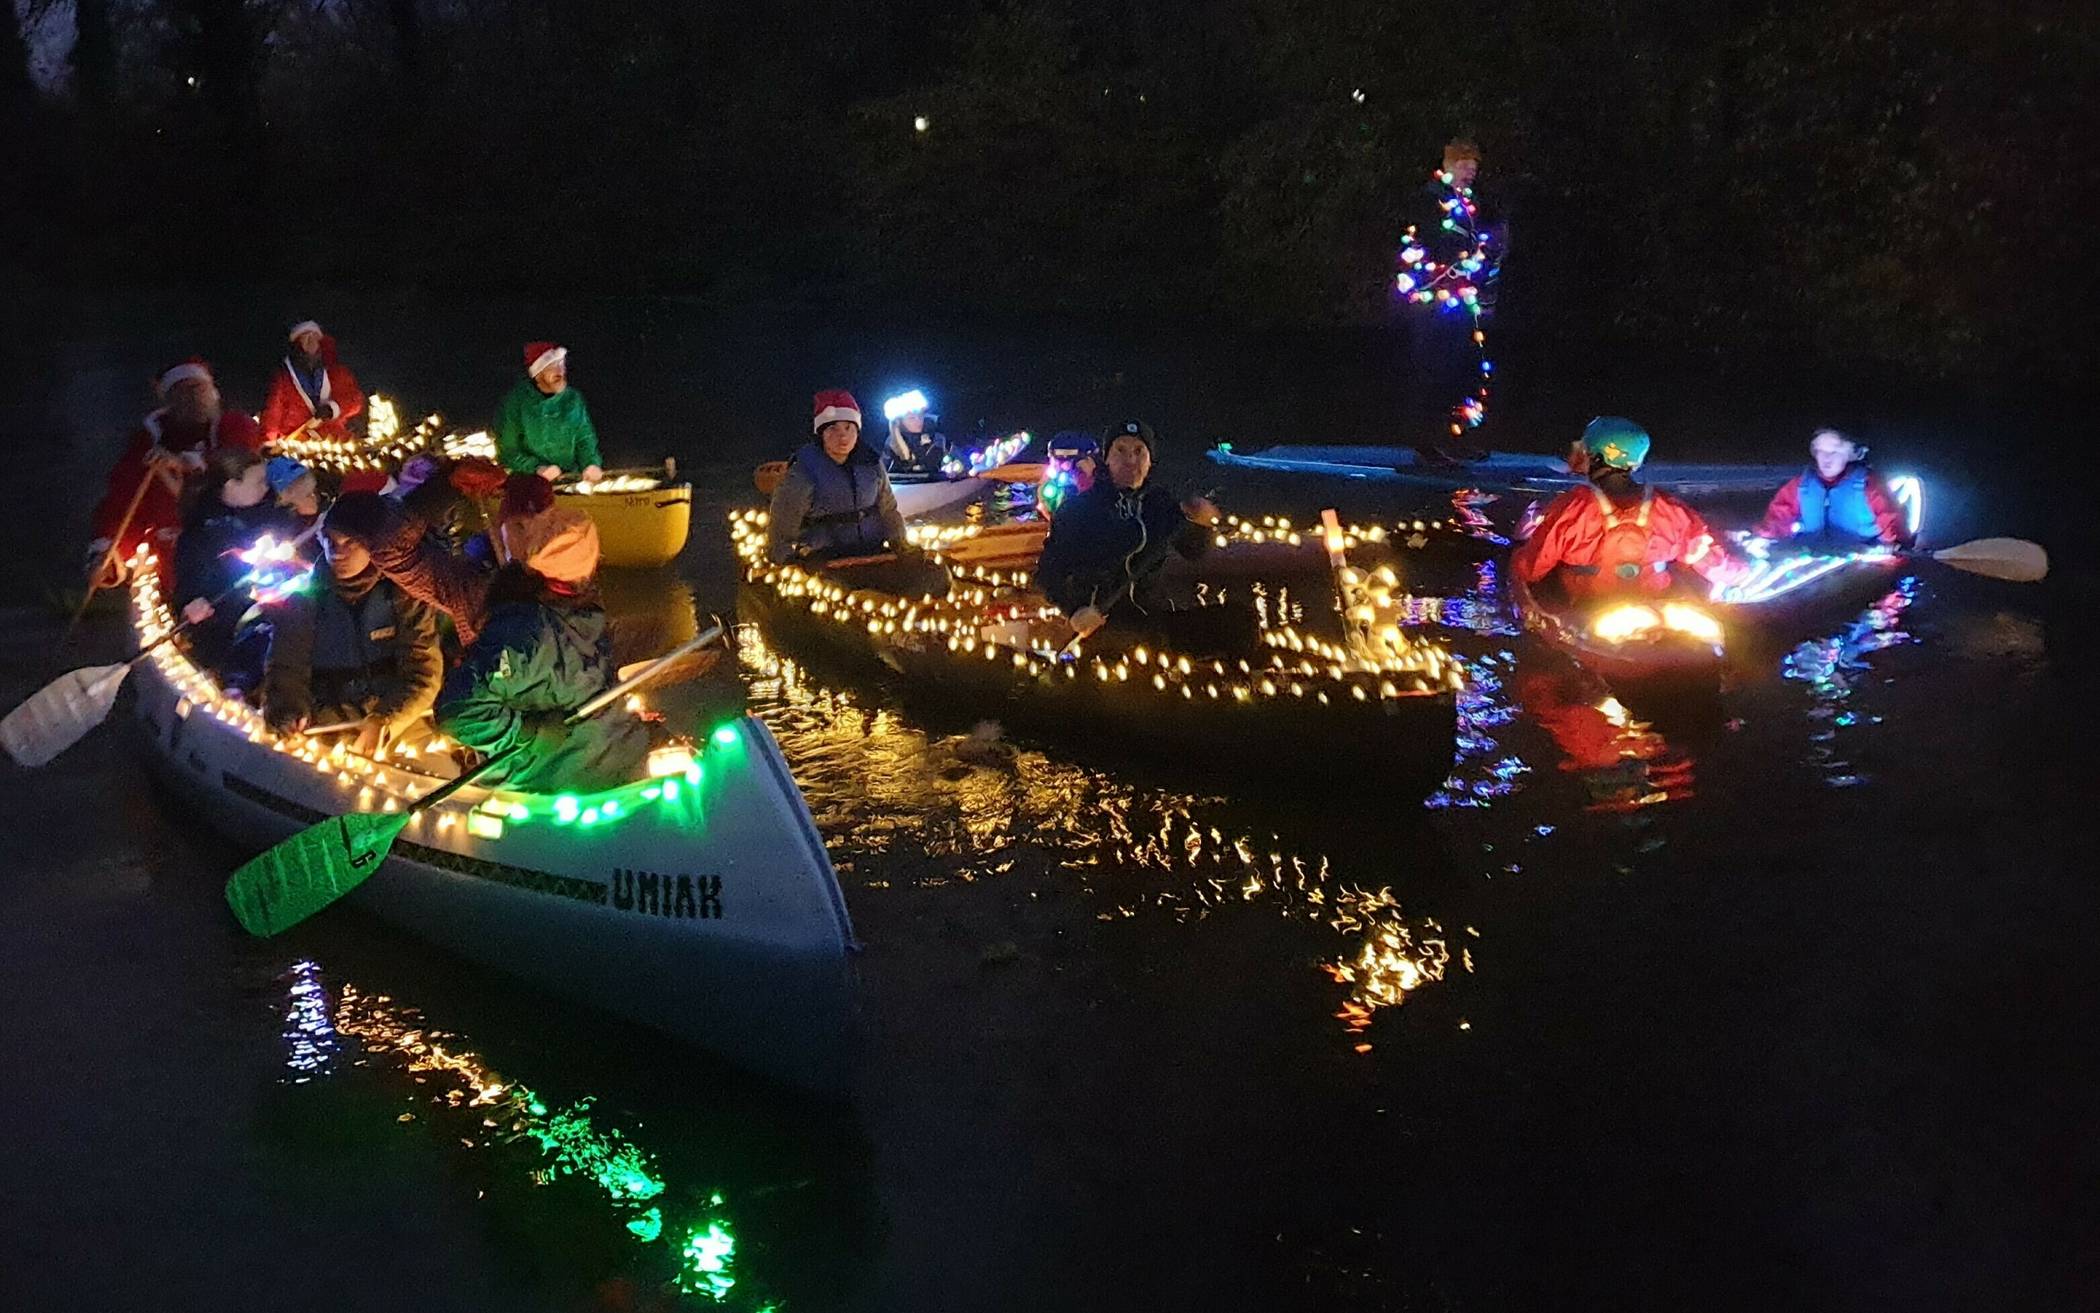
(698, 902)
(1495, 472)
(1687, 641)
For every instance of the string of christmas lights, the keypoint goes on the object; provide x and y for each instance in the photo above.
(1454, 286)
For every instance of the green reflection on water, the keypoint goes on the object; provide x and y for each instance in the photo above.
(694, 1254)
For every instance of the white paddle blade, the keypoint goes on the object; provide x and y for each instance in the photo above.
(60, 713)
(2015, 559)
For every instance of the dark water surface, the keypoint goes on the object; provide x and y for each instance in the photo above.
(1783, 1004)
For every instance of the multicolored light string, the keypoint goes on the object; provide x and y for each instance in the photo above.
(1454, 286)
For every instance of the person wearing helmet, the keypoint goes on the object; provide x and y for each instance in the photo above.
(1614, 535)
(1108, 546)
(914, 446)
(1837, 502)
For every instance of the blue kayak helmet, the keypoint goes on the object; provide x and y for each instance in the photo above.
(1617, 443)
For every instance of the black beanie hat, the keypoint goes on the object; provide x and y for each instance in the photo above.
(1130, 428)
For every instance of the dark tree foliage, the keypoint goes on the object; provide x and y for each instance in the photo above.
(1850, 181)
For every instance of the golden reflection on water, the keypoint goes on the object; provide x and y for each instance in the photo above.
(967, 807)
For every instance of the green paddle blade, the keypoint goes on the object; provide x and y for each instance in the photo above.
(310, 870)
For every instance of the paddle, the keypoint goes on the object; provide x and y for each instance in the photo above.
(2014, 559)
(56, 716)
(305, 873)
(108, 558)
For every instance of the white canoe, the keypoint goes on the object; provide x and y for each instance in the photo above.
(918, 499)
(708, 910)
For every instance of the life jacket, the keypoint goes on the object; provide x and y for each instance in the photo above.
(1628, 557)
(362, 637)
(842, 518)
(1842, 512)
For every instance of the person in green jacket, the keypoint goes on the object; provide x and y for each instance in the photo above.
(543, 426)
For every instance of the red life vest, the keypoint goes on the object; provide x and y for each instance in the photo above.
(1629, 559)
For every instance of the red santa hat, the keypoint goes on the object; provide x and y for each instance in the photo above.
(834, 404)
(303, 326)
(378, 481)
(543, 355)
(189, 369)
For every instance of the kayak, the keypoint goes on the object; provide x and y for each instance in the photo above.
(1497, 471)
(1302, 714)
(1687, 641)
(643, 516)
(698, 901)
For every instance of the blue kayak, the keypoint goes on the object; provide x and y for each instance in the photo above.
(1496, 472)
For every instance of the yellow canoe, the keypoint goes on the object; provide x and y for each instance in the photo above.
(643, 516)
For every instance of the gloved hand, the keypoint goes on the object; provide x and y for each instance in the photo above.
(1202, 510)
(591, 474)
(196, 610)
(102, 569)
(1087, 621)
(551, 473)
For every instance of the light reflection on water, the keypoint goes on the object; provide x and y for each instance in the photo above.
(1834, 668)
(686, 1239)
(975, 805)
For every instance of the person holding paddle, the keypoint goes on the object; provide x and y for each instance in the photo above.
(545, 651)
(143, 505)
(1108, 547)
(312, 391)
(834, 508)
(233, 512)
(1837, 501)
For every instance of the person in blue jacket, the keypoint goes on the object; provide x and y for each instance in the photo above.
(1109, 545)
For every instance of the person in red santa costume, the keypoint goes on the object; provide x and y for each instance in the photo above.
(143, 503)
(311, 389)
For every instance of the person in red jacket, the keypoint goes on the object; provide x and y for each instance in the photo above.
(1614, 536)
(1836, 502)
(170, 446)
(311, 387)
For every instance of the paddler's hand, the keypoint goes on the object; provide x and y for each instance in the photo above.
(196, 610)
(371, 737)
(551, 473)
(1202, 510)
(591, 474)
(1087, 621)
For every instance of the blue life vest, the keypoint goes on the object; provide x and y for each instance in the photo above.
(1837, 514)
(842, 518)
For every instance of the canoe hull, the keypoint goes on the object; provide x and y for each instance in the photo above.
(934, 496)
(721, 925)
(639, 530)
(1397, 750)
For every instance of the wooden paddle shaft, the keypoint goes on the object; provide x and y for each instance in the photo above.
(94, 580)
